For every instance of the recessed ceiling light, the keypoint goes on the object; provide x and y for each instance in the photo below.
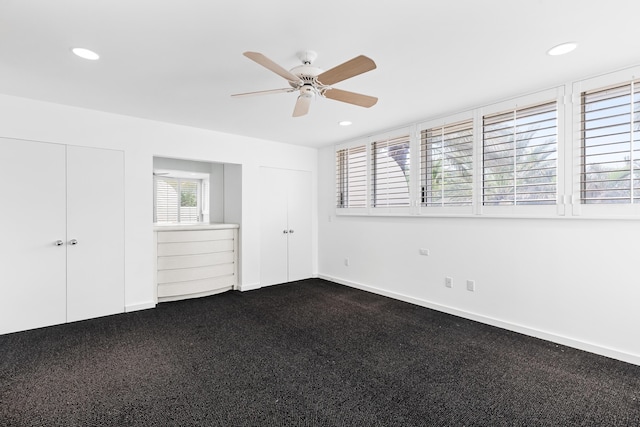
(345, 123)
(561, 49)
(85, 53)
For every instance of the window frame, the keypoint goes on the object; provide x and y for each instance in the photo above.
(548, 210)
(202, 185)
(569, 167)
(606, 210)
(392, 135)
(447, 210)
(347, 210)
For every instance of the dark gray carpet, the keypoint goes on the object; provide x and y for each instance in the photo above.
(309, 353)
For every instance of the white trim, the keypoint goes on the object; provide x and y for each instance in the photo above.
(522, 329)
(444, 121)
(140, 306)
(249, 287)
(525, 101)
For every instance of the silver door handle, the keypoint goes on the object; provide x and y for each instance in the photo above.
(73, 242)
(58, 243)
(290, 231)
(285, 231)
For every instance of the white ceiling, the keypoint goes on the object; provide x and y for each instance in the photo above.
(180, 60)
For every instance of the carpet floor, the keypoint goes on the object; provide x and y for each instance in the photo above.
(308, 353)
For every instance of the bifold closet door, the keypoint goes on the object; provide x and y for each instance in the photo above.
(95, 232)
(32, 226)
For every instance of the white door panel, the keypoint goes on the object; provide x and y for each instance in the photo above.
(285, 226)
(32, 219)
(95, 219)
(273, 214)
(299, 219)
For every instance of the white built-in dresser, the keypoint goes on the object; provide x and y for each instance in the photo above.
(195, 260)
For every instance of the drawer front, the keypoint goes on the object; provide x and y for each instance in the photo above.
(194, 248)
(190, 261)
(194, 235)
(187, 274)
(195, 286)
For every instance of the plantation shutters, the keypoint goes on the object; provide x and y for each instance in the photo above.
(520, 156)
(390, 160)
(610, 157)
(351, 177)
(176, 200)
(446, 165)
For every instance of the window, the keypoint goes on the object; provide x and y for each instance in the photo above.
(390, 161)
(520, 156)
(351, 177)
(446, 165)
(177, 200)
(610, 149)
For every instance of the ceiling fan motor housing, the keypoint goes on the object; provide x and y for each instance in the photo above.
(306, 73)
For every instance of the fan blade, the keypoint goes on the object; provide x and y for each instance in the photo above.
(350, 97)
(265, 92)
(302, 106)
(270, 65)
(358, 65)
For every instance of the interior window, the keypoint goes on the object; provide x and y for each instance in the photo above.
(180, 197)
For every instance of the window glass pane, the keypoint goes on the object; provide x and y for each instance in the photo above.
(189, 202)
(520, 156)
(351, 177)
(390, 160)
(447, 165)
(177, 200)
(610, 145)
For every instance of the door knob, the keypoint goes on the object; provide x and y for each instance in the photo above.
(290, 231)
(58, 243)
(73, 242)
(285, 231)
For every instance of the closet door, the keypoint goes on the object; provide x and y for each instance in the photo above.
(285, 226)
(274, 227)
(299, 222)
(95, 232)
(32, 220)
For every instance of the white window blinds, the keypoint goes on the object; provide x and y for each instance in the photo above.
(351, 177)
(610, 155)
(520, 156)
(390, 160)
(446, 165)
(177, 200)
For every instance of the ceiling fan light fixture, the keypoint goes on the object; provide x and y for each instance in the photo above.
(562, 49)
(85, 53)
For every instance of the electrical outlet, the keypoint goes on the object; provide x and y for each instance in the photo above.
(448, 282)
(346, 262)
(471, 285)
(424, 251)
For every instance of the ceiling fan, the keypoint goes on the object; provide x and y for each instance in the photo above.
(309, 80)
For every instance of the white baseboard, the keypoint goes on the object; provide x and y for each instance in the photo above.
(249, 287)
(139, 306)
(545, 335)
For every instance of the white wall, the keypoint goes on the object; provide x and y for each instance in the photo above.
(572, 281)
(141, 140)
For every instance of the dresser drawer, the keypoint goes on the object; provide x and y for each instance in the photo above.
(195, 235)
